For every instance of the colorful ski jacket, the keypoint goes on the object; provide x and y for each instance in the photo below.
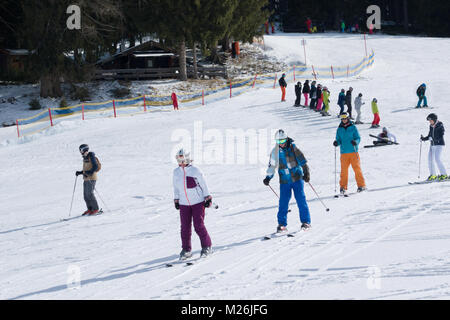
(189, 186)
(374, 107)
(289, 161)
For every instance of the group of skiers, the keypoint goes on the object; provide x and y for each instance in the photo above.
(318, 97)
(191, 194)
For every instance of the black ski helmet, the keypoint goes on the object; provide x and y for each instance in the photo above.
(83, 148)
(432, 116)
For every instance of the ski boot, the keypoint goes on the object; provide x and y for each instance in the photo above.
(184, 255)
(206, 251)
(94, 212)
(305, 226)
(87, 212)
(432, 178)
(361, 189)
(281, 229)
(343, 191)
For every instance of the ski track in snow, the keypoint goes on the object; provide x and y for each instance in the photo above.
(388, 243)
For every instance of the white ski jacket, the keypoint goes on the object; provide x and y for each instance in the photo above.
(189, 186)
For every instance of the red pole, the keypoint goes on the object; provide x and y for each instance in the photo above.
(275, 82)
(114, 107)
(50, 115)
(230, 89)
(294, 72)
(82, 111)
(17, 124)
(332, 72)
(203, 97)
(254, 81)
(145, 106)
(314, 72)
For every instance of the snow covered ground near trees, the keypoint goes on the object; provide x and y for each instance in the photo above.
(391, 242)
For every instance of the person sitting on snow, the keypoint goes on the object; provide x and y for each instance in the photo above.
(385, 137)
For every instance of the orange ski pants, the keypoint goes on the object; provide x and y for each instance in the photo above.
(348, 159)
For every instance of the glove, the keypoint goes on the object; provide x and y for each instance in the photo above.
(423, 138)
(177, 204)
(266, 181)
(208, 201)
(335, 143)
(77, 173)
(306, 176)
(354, 142)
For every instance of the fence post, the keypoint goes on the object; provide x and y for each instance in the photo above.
(82, 111)
(348, 70)
(114, 107)
(254, 81)
(203, 97)
(332, 72)
(50, 116)
(314, 72)
(275, 81)
(17, 125)
(145, 106)
(294, 72)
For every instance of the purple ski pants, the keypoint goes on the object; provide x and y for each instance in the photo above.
(197, 214)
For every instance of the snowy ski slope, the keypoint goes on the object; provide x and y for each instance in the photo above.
(389, 243)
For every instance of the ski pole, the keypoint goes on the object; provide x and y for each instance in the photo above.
(101, 198)
(420, 156)
(73, 193)
(276, 195)
(326, 208)
(335, 170)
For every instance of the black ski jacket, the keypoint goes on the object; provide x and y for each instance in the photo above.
(436, 134)
(306, 88)
(298, 89)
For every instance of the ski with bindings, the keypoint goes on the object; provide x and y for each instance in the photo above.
(87, 215)
(428, 182)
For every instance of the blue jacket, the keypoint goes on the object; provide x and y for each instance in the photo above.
(341, 99)
(344, 137)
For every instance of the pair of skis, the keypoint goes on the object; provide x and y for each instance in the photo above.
(187, 262)
(87, 215)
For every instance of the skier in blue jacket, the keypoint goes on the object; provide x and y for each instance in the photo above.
(293, 171)
(341, 101)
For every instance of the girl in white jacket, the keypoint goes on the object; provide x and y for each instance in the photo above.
(191, 196)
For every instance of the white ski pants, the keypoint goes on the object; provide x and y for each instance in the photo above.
(435, 156)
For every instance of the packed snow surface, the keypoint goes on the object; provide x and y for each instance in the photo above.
(392, 242)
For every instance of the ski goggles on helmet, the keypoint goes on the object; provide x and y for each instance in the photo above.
(281, 141)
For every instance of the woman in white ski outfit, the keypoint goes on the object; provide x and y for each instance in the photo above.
(436, 135)
(191, 196)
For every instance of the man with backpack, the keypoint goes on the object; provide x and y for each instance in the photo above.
(91, 165)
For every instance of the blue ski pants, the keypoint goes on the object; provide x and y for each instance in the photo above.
(285, 197)
(424, 99)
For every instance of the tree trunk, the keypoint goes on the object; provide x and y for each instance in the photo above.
(194, 48)
(182, 60)
(50, 86)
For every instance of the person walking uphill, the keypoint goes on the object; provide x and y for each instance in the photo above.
(348, 138)
(191, 197)
(283, 85)
(341, 102)
(293, 172)
(436, 135)
(421, 94)
(91, 166)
